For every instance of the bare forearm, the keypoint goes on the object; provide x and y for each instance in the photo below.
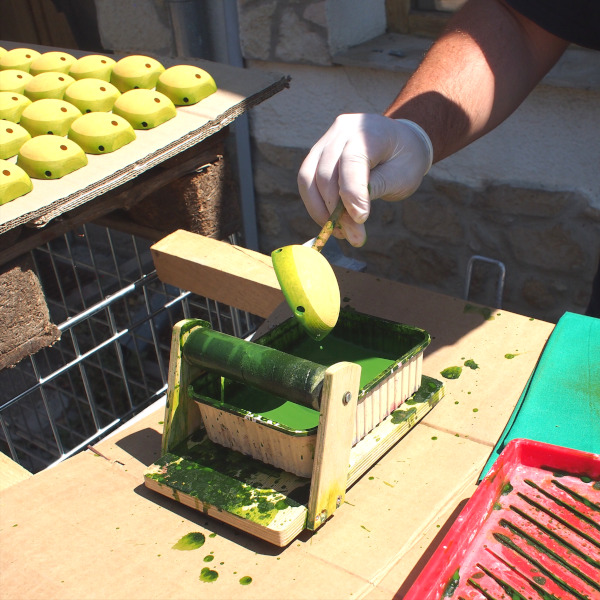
(483, 66)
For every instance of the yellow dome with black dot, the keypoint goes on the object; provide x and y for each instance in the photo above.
(92, 95)
(51, 84)
(49, 117)
(144, 109)
(136, 72)
(101, 132)
(12, 105)
(12, 137)
(14, 182)
(186, 84)
(50, 157)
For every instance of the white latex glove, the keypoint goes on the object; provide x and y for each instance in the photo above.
(362, 157)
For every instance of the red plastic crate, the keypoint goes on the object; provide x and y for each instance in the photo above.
(530, 531)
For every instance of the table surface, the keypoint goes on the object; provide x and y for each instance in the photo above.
(237, 91)
(89, 528)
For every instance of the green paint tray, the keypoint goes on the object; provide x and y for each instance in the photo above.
(280, 431)
(286, 477)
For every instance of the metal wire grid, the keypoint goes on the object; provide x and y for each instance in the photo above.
(111, 362)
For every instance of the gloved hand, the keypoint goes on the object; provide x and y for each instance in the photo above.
(363, 157)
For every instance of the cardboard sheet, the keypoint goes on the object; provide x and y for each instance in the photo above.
(88, 528)
(238, 90)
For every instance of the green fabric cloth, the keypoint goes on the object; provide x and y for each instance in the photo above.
(561, 401)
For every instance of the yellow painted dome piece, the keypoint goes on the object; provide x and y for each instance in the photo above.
(100, 132)
(55, 61)
(14, 182)
(186, 84)
(18, 58)
(92, 66)
(92, 95)
(144, 109)
(48, 85)
(13, 80)
(12, 137)
(50, 157)
(3, 51)
(136, 72)
(12, 105)
(310, 288)
(49, 116)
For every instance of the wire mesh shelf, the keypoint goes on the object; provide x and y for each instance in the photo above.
(115, 318)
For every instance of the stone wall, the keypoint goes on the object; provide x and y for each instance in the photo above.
(527, 195)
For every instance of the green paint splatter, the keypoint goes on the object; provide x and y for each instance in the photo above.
(451, 372)
(190, 541)
(510, 356)
(596, 485)
(471, 364)
(371, 478)
(363, 527)
(497, 506)
(585, 479)
(209, 558)
(246, 580)
(452, 584)
(434, 438)
(224, 479)
(475, 410)
(485, 312)
(399, 416)
(212, 535)
(208, 576)
(506, 489)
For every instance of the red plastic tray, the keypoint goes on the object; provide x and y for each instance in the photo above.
(530, 531)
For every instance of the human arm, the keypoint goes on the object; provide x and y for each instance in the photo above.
(477, 73)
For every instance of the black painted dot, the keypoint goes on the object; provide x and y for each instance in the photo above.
(186, 100)
(48, 173)
(144, 124)
(101, 148)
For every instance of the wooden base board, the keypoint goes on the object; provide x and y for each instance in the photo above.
(261, 500)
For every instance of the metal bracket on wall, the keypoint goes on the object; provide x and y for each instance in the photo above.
(499, 281)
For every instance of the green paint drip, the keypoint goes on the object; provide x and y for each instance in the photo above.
(485, 312)
(190, 541)
(471, 364)
(208, 576)
(452, 584)
(246, 580)
(451, 372)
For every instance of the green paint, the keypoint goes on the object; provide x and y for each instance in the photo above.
(484, 311)
(539, 579)
(510, 356)
(471, 364)
(507, 488)
(212, 535)
(585, 479)
(434, 438)
(363, 527)
(208, 576)
(226, 480)
(596, 485)
(497, 506)
(451, 372)
(378, 346)
(371, 478)
(209, 558)
(475, 410)
(246, 580)
(452, 584)
(190, 541)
